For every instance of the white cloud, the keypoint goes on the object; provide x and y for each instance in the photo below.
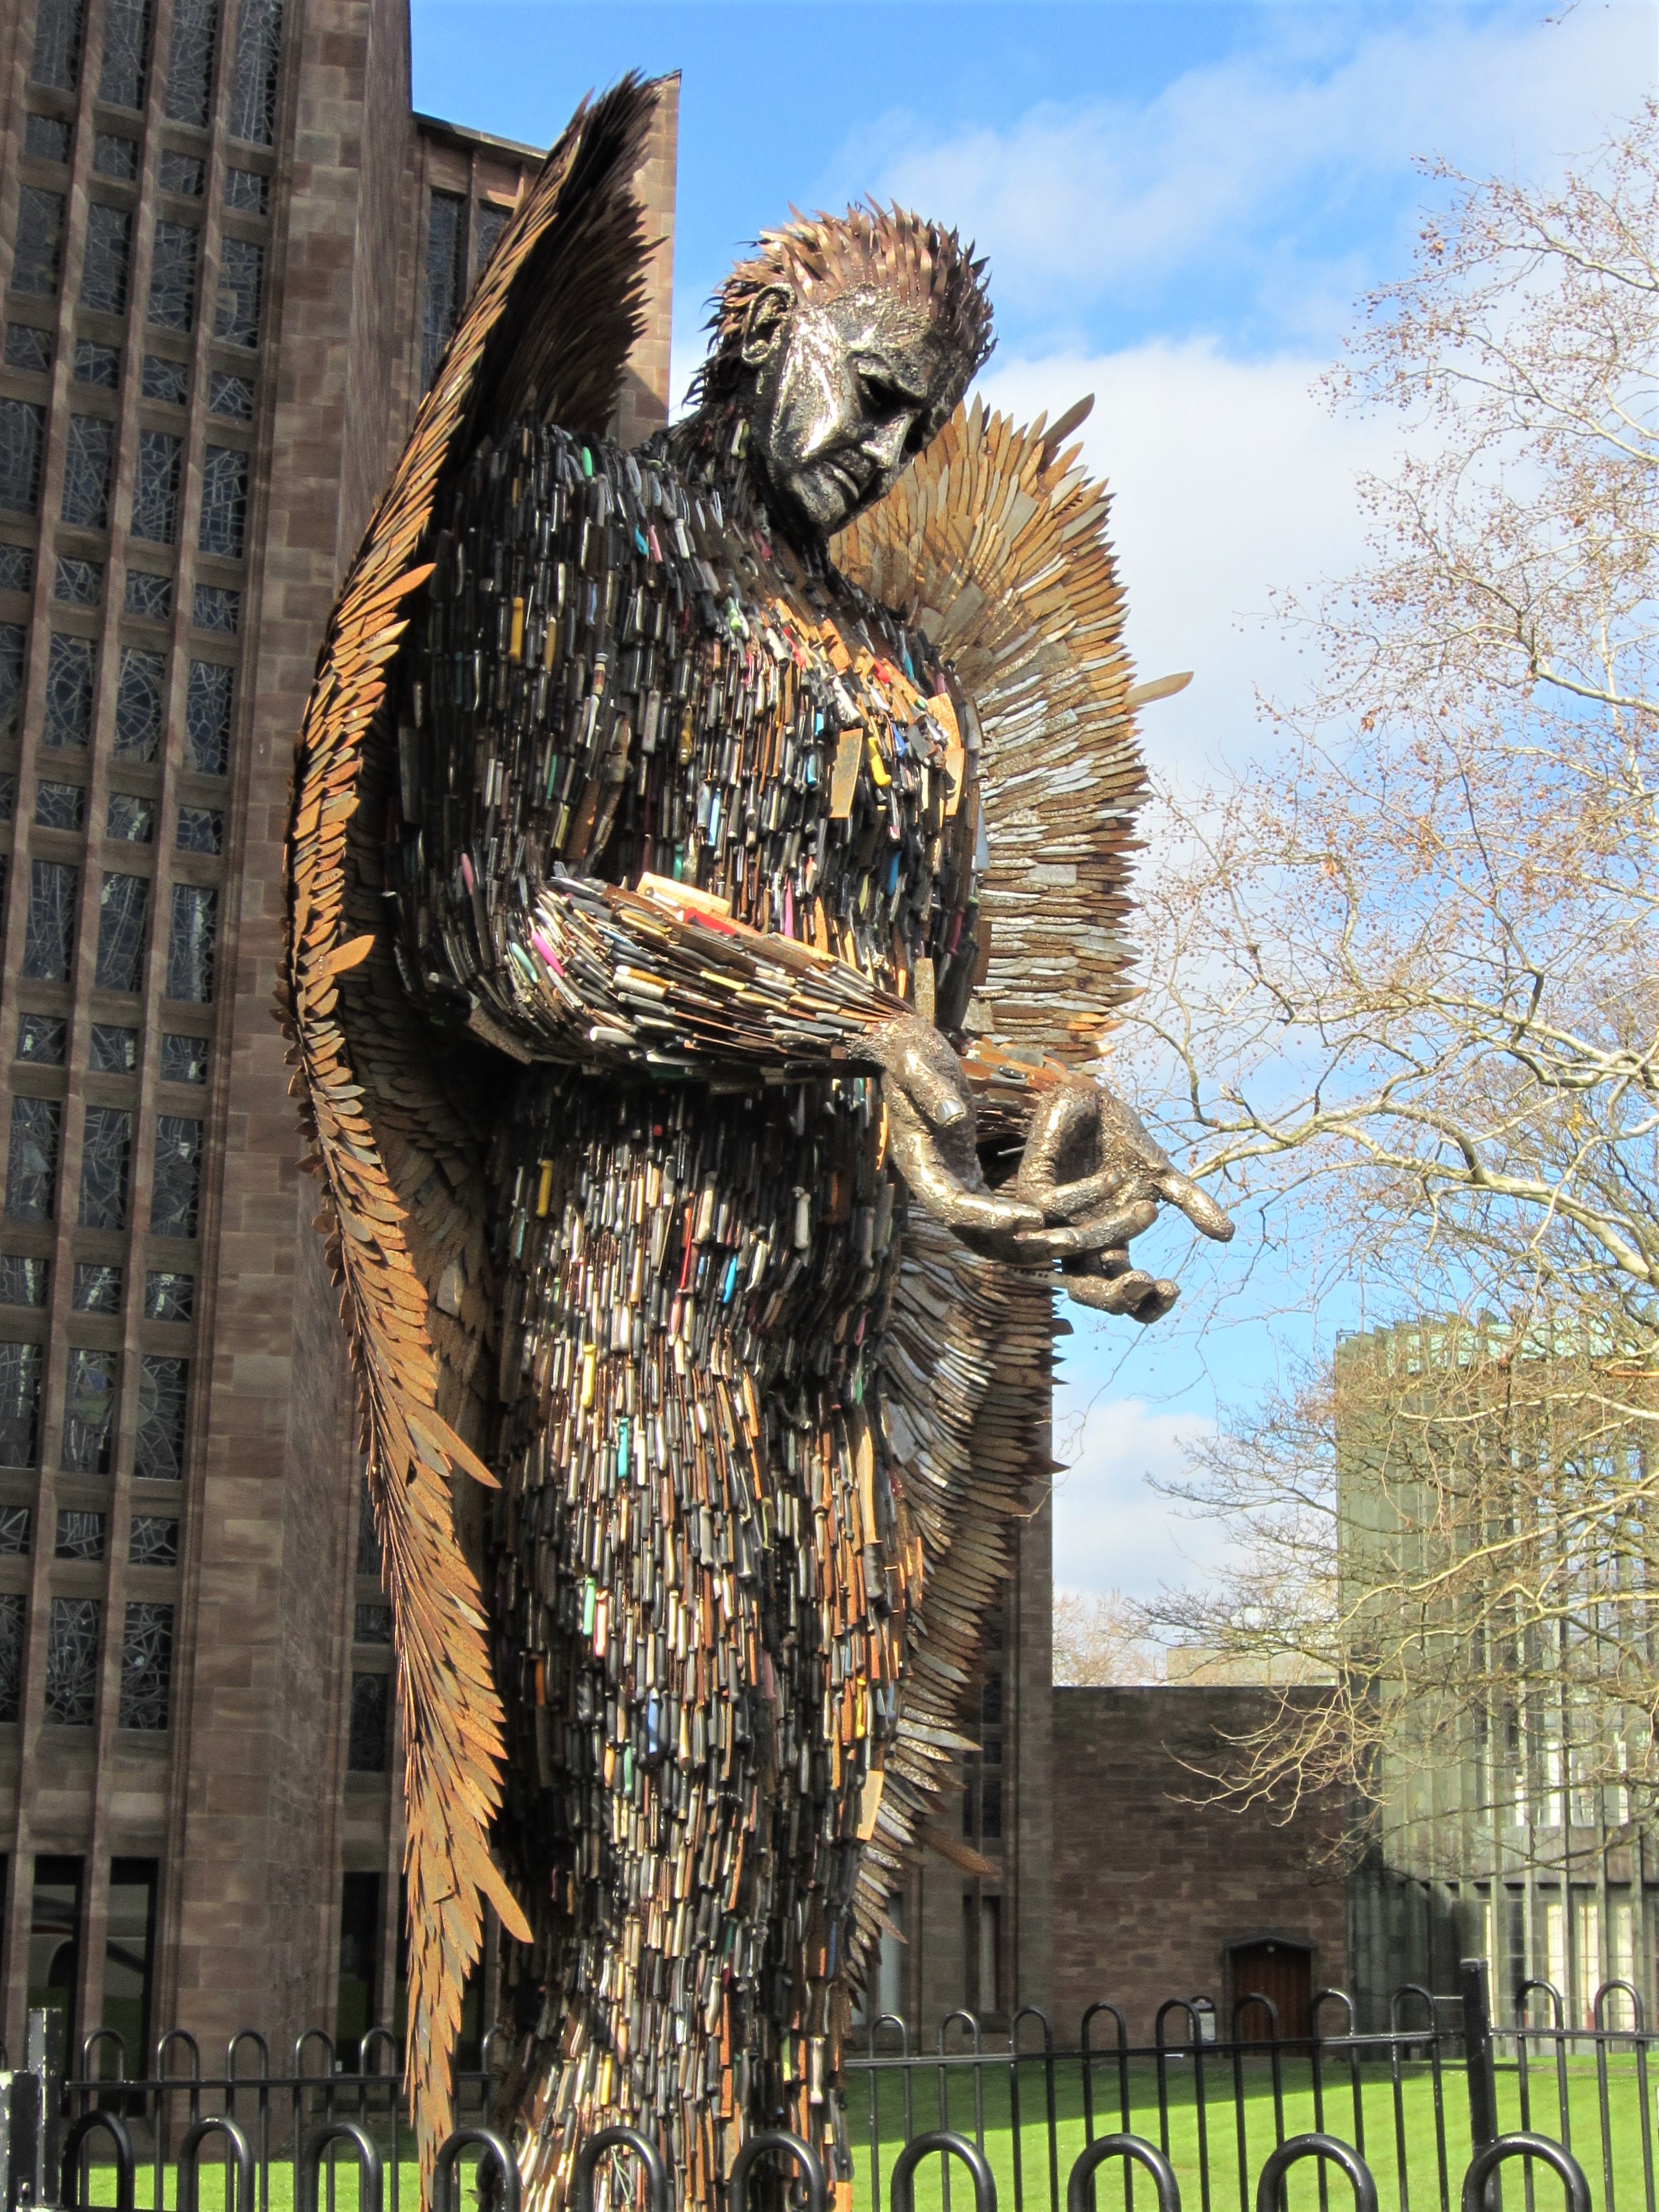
(1073, 198)
(1111, 1531)
(1230, 480)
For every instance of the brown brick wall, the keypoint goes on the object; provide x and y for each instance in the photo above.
(1150, 1891)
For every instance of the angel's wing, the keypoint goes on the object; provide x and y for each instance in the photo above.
(995, 545)
(399, 1136)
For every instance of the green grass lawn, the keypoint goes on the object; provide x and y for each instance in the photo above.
(1024, 2182)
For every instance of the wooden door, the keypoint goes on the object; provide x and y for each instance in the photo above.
(1282, 1973)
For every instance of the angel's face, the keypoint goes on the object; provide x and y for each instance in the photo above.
(847, 392)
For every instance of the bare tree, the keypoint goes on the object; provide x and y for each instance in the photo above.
(1100, 1641)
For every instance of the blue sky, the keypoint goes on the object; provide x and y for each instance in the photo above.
(1180, 204)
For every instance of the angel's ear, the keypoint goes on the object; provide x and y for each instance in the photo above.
(764, 324)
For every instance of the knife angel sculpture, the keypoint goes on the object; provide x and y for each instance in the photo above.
(646, 860)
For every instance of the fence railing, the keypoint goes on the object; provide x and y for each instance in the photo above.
(1407, 2119)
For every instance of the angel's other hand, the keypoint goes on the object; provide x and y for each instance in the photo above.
(930, 1124)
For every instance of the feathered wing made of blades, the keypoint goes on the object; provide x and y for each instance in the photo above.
(399, 1146)
(995, 543)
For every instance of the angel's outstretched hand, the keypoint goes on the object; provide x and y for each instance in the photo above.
(1098, 1180)
(930, 1127)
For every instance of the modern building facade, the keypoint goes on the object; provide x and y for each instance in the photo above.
(229, 257)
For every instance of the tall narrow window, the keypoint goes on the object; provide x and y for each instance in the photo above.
(172, 276)
(69, 691)
(11, 1657)
(11, 677)
(189, 60)
(489, 223)
(159, 1456)
(155, 487)
(129, 1957)
(446, 277)
(355, 2006)
(20, 1405)
(138, 705)
(126, 47)
(366, 1733)
(241, 275)
(105, 1166)
(107, 258)
(59, 26)
(72, 1661)
(207, 718)
(55, 1940)
(253, 78)
(89, 1411)
(123, 912)
(49, 937)
(39, 242)
(32, 1163)
(87, 462)
(177, 1190)
(190, 943)
(146, 1666)
(224, 501)
(22, 430)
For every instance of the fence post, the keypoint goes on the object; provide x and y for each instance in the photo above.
(1475, 1976)
(35, 2114)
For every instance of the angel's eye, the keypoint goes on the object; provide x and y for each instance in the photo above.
(881, 396)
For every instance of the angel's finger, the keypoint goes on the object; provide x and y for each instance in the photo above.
(1199, 1208)
(1096, 1236)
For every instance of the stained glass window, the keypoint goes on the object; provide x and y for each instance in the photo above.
(29, 348)
(106, 1162)
(69, 691)
(130, 818)
(149, 598)
(138, 703)
(371, 1623)
(59, 805)
(77, 583)
(161, 1386)
(107, 257)
(46, 137)
(253, 80)
(11, 677)
(207, 718)
(86, 470)
(7, 797)
(178, 1175)
(22, 1282)
(368, 1537)
(14, 1529)
(184, 174)
(192, 941)
(57, 27)
(146, 1666)
(40, 1039)
(168, 1296)
(97, 364)
(190, 62)
(20, 1404)
(96, 1287)
(201, 829)
(241, 273)
(89, 1411)
(154, 1542)
(16, 568)
(166, 380)
(11, 1657)
(23, 429)
(183, 1059)
(39, 241)
(247, 192)
(123, 912)
(172, 275)
(72, 1661)
(155, 487)
(232, 396)
(49, 938)
(490, 223)
(224, 501)
(216, 608)
(366, 1731)
(446, 277)
(126, 43)
(115, 155)
(114, 1048)
(31, 1165)
(81, 1535)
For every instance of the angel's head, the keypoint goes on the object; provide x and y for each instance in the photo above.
(845, 344)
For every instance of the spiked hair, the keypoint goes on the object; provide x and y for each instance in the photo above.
(869, 248)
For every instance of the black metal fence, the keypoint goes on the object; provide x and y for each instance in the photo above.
(1421, 2118)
